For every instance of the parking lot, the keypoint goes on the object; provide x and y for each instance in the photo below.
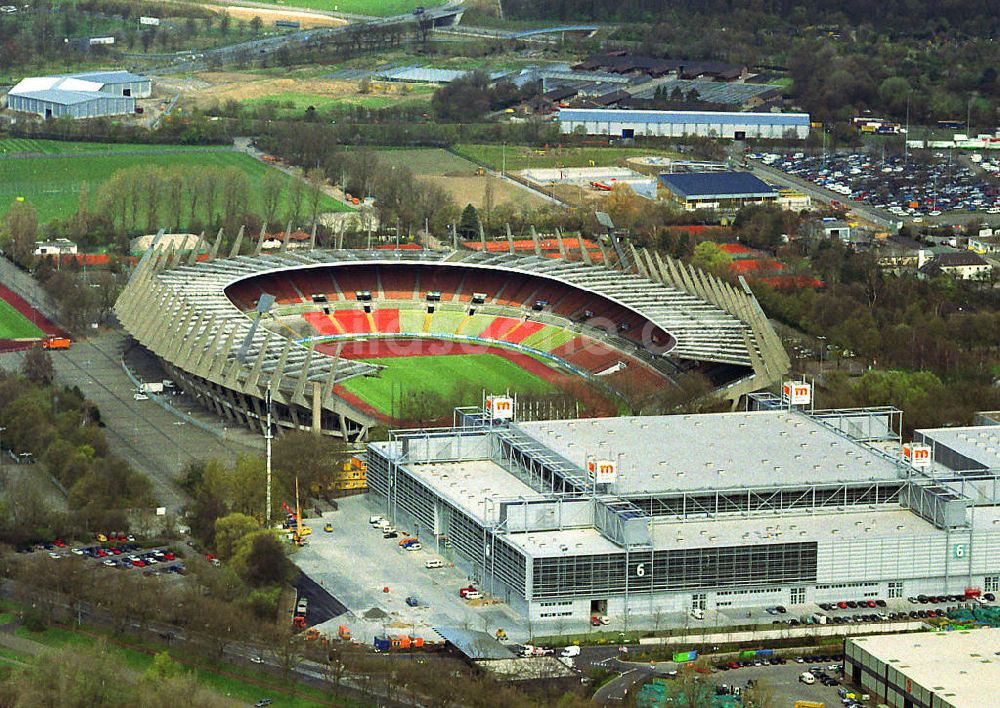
(373, 575)
(782, 681)
(118, 551)
(911, 188)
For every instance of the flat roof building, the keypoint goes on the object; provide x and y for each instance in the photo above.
(87, 95)
(722, 191)
(928, 669)
(709, 124)
(707, 511)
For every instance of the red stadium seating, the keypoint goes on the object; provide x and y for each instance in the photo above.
(353, 321)
(398, 284)
(386, 321)
(355, 278)
(321, 323)
(522, 332)
(443, 280)
(499, 327)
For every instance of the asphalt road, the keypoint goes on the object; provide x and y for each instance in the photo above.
(151, 439)
(322, 605)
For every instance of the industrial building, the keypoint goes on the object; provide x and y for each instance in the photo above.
(928, 669)
(708, 124)
(640, 515)
(87, 95)
(721, 191)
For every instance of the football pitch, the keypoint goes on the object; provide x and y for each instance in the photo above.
(14, 325)
(451, 377)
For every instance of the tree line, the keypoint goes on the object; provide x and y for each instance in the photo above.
(63, 433)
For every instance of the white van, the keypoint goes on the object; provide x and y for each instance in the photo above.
(698, 613)
(570, 651)
(807, 678)
(434, 563)
(375, 520)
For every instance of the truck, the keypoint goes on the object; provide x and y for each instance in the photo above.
(151, 387)
(56, 343)
(469, 593)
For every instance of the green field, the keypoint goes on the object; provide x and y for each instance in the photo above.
(426, 161)
(381, 8)
(447, 376)
(520, 157)
(14, 146)
(14, 325)
(53, 184)
(295, 102)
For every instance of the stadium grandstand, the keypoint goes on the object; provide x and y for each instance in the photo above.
(311, 326)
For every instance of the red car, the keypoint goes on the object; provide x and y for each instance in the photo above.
(116, 551)
(842, 605)
(871, 603)
(122, 537)
(139, 563)
(101, 553)
(733, 665)
(168, 556)
(60, 543)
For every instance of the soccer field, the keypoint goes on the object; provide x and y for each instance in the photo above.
(53, 184)
(450, 377)
(14, 325)
(380, 8)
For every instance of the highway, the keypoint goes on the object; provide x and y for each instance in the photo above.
(200, 60)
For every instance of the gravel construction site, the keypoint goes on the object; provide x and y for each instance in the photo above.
(372, 576)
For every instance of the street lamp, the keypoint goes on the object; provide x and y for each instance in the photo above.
(822, 347)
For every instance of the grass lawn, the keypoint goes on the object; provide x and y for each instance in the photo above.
(520, 157)
(14, 325)
(295, 102)
(381, 8)
(52, 184)
(447, 376)
(426, 161)
(12, 146)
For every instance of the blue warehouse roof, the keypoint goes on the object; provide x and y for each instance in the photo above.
(725, 185)
(683, 117)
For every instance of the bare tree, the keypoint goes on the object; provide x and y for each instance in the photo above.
(271, 189)
(316, 180)
(295, 195)
(153, 185)
(174, 180)
(210, 189)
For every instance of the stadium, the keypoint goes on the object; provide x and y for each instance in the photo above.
(641, 515)
(345, 340)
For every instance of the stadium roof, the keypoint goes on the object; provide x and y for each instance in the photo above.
(717, 185)
(703, 331)
(655, 453)
(961, 669)
(592, 115)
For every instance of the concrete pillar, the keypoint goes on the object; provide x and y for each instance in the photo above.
(237, 244)
(288, 237)
(317, 408)
(562, 246)
(254, 378)
(510, 239)
(312, 238)
(217, 245)
(193, 257)
(534, 238)
(260, 241)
